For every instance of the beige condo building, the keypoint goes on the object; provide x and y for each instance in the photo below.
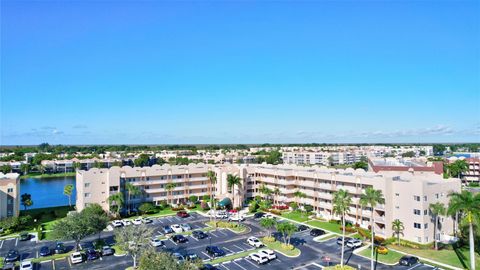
(407, 194)
(9, 195)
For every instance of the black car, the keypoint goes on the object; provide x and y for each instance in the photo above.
(24, 236)
(317, 232)
(199, 235)
(45, 251)
(208, 267)
(60, 248)
(302, 228)
(408, 260)
(215, 251)
(12, 256)
(191, 256)
(259, 215)
(91, 254)
(178, 238)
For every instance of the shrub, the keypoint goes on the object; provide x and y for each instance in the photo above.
(204, 205)
(294, 205)
(287, 247)
(275, 211)
(268, 239)
(253, 207)
(339, 267)
(280, 207)
(178, 208)
(349, 229)
(206, 198)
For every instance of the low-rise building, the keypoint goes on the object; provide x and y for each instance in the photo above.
(9, 195)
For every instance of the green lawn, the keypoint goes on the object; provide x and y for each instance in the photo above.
(459, 258)
(277, 246)
(296, 215)
(52, 257)
(47, 175)
(390, 258)
(333, 227)
(234, 226)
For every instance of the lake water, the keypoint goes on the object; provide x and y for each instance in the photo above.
(47, 192)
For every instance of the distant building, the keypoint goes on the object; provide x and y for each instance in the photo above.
(9, 195)
(473, 173)
(404, 165)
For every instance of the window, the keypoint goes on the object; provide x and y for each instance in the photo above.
(436, 195)
(397, 194)
(425, 226)
(87, 185)
(425, 198)
(416, 212)
(417, 225)
(397, 207)
(425, 212)
(9, 190)
(416, 198)
(87, 195)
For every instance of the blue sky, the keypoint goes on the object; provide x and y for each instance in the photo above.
(239, 72)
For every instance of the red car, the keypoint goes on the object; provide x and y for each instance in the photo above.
(182, 214)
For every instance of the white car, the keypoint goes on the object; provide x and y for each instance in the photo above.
(26, 265)
(126, 222)
(268, 215)
(137, 221)
(155, 242)
(222, 215)
(254, 242)
(185, 227)
(147, 220)
(117, 223)
(236, 217)
(176, 228)
(354, 243)
(76, 257)
(258, 258)
(269, 253)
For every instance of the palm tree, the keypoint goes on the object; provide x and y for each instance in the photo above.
(276, 192)
(232, 181)
(469, 205)
(436, 209)
(212, 180)
(341, 206)
(372, 197)
(169, 187)
(77, 165)
(397, 227)
(67, 191)
(299, 194)
(25, 167)
(117, 201)
(131, 190)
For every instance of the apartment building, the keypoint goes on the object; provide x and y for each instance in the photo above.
(473, 172)
(405, 165)
(9, 195)
(322, 157)
(66, 165)
(407, 194)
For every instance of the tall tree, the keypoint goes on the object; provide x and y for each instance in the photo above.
(6, 168)
(96, 217)
(169, 188)
(397, 228)
(67, 191)
(232, 182)
(299, 195)
(436, 210)
(212, 180)
(131, 190)
(286, 229)
(26, 200)
(134, 240)
(341, 207)
(25, 167)
(77, 165)
(74, 227)
(152, 260)
(116, 202)
(372, 198)
(276, 193)
(269, 224)
(469, 205)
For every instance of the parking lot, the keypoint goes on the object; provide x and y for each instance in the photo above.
(230, 242)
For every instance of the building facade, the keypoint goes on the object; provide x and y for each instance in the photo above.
(9, 195)
(407, 194)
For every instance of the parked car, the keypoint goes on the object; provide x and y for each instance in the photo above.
(185, 227)
(178, 238)
(12, 256)
(199, 235)
(408, 260)
(45, 251)
(26, 265)
(24, 236)
(208, 266)
(176, 228)
(76, 257)
(236, 217)
(178, 256)
(222, 215)
(254, 242)
(182, 214)
(340, 240)
(167, 229)
(268, 215)
(191, 256)
(317, 232)
(215, 251)
(302, 228)
(155, 242)
(107, 251)
(60, 248)
(86, 245)
(126, 222)
(258, 258)
(147, 220)
(259, 215)
(354, 243)
(91, 254)
(269, 253)
(117, 223)
(137, 221)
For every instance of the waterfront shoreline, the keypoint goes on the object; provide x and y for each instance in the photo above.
(42, 176)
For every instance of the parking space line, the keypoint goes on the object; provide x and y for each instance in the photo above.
(222, 232)
(16, 241)
(173, 242)
(160, 220)
(235, 262)
(208, 256)
(213, 234)
(251, 263)
(193, 238)
(415, 266)
(224, 266)
(239, 247)
(1, 243)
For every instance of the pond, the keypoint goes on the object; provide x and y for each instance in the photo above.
(47, 192)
